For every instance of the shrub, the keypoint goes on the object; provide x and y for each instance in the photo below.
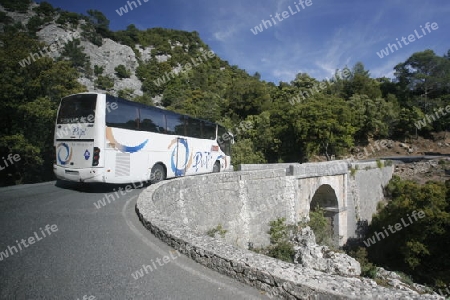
(280, 248)
(5, 19)
(45, 9)
(91, 35)
(35, 23)
(74, 52)
(16, 5)
(353, 170)
(367, 268)
(69, 18)
(379, 164)
(218, 229)
(320, 225)
(104, 82)
(122, 72)
(283, 250)
(278, 230)
(421, 249)
(98, 70)
(126, 93)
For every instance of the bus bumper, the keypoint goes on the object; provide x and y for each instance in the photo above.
(79, 175)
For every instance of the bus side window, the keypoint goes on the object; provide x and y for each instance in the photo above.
(209, 131)
(175, 124)
(126, 116)
(194, 128)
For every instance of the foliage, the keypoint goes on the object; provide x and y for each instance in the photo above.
(379, 164)
(145, 99)
(244, 153)
(99, 22)
(68, 19)
(28, 102)
(278, 230)
(280, 248)
(282, 251)
(129, 37)
(98, 70)
(45, 13)
(89, 33)
(218, 230)
(35, 23)
(16, 5)
(122, 72)
(5, 19)
(422, 245)
(368, 269)
(126, 94)
(45, 9)
(321, 228)
(104, 82)
(74, 53)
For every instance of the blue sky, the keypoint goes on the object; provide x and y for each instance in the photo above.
(315, 39)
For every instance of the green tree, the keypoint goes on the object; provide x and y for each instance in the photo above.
(100, 22)
(361, 83)
(372, 117)
(68, 19)
(421, 247)
(28, 101)
(243, 152)
(321, 126)
(74, 53)
(407, 118)
(16, 5)
(423, 77)
(35, 23)
(45, 9)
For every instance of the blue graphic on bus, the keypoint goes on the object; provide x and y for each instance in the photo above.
(87, 154)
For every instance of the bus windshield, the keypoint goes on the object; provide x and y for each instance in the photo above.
(77, 109)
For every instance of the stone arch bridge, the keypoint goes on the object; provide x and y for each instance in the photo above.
(347, 192)
(245, 202)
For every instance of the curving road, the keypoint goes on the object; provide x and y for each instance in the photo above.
(87, 252)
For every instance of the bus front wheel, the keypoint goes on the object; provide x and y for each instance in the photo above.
(158, 174)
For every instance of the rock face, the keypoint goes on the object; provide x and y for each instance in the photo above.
(395, 280)
(110, 55)
(321, 258)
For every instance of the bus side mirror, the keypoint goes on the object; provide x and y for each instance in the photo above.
(232, 137)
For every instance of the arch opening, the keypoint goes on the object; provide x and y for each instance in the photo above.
(325, 199)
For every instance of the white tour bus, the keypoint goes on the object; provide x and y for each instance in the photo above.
(102, 138)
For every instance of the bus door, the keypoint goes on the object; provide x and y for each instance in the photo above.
(182, 156)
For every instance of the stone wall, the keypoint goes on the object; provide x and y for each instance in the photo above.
(365, 189)
(243, 203)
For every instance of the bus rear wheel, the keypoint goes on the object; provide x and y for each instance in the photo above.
(216, 168)
(158, 174)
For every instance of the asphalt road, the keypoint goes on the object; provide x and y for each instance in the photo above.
(92, 252)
